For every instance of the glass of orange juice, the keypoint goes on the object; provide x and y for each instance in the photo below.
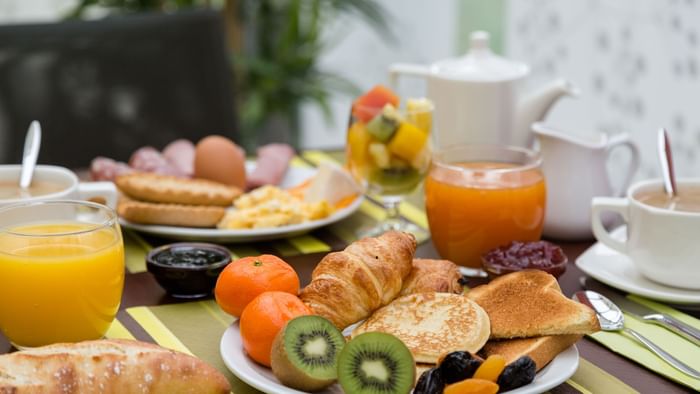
(61, 271)
(479, 197)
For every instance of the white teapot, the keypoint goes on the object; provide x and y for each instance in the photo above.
(476, 99)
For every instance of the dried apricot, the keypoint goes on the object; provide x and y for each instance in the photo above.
(491, 368)
(472, 386)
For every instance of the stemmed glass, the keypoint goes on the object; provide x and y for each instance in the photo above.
(389, 151)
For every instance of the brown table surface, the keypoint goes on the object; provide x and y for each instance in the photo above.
(141, 289)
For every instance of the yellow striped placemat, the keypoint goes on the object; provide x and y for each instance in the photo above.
(196, 328)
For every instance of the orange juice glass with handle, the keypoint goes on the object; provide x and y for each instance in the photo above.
(61, 271)
(479, 197)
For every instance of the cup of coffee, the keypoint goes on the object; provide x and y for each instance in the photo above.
(52, 183)
(662, 232)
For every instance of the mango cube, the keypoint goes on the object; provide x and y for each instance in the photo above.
(408, 141)
(420, 113)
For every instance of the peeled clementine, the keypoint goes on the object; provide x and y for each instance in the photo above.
(246, 278)
(263, 318)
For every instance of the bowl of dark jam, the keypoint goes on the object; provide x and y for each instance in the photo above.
(187, 269)
(518, 256)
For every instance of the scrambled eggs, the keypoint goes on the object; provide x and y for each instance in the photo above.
(270, 206)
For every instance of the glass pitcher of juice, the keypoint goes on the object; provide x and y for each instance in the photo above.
(61, 271)
(479, 197)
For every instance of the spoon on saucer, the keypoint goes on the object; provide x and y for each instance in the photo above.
(666, 160)
(32, 142)
(611, 318)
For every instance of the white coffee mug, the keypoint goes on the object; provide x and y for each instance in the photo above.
(72, 189)
(663, 244)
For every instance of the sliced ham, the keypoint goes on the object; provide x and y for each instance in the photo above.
(271, 165)
(106, 169)
(149, 159)
(180, 154)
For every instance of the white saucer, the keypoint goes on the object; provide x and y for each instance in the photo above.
(618, 270)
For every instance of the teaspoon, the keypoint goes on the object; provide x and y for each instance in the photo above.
(32, 142)
(611, 318)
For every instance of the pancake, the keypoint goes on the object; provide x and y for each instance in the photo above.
(431, 324)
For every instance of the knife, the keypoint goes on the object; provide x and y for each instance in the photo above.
(643, 313)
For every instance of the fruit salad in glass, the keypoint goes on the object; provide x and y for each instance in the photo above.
(388, 149)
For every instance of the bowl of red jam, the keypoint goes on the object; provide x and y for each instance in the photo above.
(518, 256)
(187, 269)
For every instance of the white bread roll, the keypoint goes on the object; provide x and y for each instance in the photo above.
(107, 366)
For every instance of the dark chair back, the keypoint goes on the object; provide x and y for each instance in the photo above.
(108, 87)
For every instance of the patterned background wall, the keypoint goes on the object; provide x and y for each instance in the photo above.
(637, 63)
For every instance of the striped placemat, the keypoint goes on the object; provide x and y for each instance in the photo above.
(333, 237)
(196, 328)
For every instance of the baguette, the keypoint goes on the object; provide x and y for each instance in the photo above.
(348, 286)
(107, 366)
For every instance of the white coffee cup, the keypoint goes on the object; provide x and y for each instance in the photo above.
(73, 189)
(663, 244)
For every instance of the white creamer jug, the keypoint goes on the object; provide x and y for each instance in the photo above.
(575, 171)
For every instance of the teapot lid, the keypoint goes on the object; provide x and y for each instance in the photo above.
(480, 63)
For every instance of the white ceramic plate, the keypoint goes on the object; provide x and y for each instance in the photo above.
(558, 371)
(618, 270)
(293, 177)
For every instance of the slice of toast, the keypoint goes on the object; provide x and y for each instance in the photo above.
(530, 304)
(169, 214)
(167, 189)
(541, 349)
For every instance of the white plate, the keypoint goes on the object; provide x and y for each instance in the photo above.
(558, 371)
(293, 177)
(618, 270)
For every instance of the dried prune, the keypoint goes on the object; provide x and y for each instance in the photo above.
(458, 366)
(430, 382)
(517, 374)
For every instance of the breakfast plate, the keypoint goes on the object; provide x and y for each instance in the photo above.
(618, 270)
(562, 367)
(294, 176)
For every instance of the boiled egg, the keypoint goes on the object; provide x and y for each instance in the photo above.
(219, 159)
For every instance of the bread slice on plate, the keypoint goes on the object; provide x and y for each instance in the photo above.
(530, 304)
(541, 349)
(169, 214)
(173, 190)
(431, 324)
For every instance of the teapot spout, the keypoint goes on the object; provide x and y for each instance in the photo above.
(535, 106)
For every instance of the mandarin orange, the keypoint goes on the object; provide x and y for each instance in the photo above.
(263, 318)
(246, 278)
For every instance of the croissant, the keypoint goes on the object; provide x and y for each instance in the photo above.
(348, 286)
(427, 276)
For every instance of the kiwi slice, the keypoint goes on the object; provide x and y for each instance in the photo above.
(305, 353)
(376, 362)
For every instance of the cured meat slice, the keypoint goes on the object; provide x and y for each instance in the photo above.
(271, 165)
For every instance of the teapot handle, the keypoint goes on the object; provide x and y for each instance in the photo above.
(624, 140)
(397, 69)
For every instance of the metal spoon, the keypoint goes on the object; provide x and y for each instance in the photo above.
(666, 161)
(32, 142)
(611, 318)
